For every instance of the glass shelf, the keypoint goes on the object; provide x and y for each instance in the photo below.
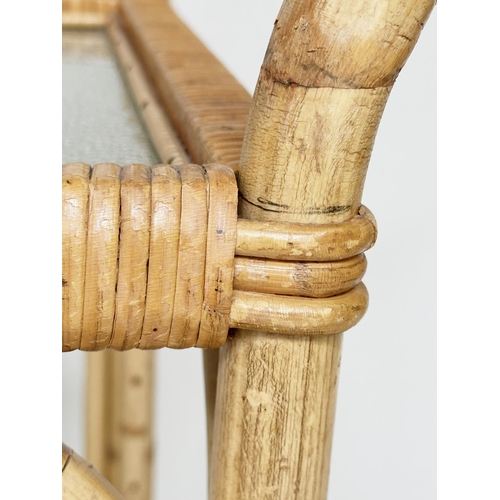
(99, 118)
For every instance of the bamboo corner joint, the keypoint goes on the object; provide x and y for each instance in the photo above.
(156, 257)
(176, 254)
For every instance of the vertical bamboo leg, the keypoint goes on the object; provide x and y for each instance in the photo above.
(98, 409)
(321, 93)
(115, 398)
(275, 416)
(119, 419)
(133, 423)
(210, 369)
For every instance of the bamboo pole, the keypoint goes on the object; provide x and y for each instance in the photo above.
(119, 419)
(98, 411)
(132, 424)
(326, 77)
(82, 481)
(210, 370)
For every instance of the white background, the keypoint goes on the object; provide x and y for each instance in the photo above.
(385, 431)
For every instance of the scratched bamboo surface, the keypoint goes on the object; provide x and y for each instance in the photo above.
(171, 151)
(75, 187)
(314, 118)
(127, 304)
(81, 480)
(305, 279)
(284, 240)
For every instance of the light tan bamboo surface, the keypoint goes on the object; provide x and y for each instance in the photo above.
(262, 312)
(195, 304)
(119, 419)
(87, 13)
(307, 242)
(219, 260)
(300, 242)
(320, 214)
(170, 151)
(98, 417)
(208, 107)
(102, 254)
(135, 213)
(191, 261)
(306, 279)
(287, 277)
(163, 256)
(327, 74)
(75, 189)
(130, 439)
(81, 481)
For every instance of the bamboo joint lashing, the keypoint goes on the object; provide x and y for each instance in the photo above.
(155, 257)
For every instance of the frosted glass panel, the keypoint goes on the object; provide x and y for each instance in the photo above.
(100, 122)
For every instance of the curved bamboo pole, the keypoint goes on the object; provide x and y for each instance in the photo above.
(326, 77)
(306, 242)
